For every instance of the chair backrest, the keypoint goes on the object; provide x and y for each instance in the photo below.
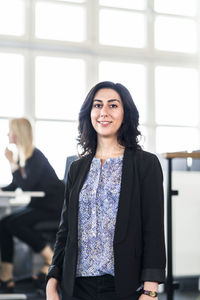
(69, 160)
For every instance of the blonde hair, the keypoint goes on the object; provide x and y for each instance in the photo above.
(22, 129)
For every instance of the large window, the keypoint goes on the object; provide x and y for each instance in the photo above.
(53, 51)
(175, 34)
(12, 17)
(59, 87)
(177, 97)
(12, 84)
(59, 21)
(117, 32)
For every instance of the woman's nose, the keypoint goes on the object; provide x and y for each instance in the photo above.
(104, 111)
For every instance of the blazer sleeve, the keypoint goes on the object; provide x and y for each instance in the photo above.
(55, 269)
(11, 187)
(154, 258)
(33, 170)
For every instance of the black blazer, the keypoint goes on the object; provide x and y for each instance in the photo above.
(139, 247)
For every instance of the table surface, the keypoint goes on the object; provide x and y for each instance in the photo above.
(21, 193)
(18, 198)
(13, 296)
(182, 154)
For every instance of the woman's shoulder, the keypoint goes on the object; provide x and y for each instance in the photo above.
(143, 156)
(37, 155)
(147, 161)
(36, 152)
(81, 161)
(79, 165)
(144, 159)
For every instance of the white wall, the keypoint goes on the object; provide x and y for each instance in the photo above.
(186, 223)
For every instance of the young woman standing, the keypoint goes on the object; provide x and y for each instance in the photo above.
(110, 244)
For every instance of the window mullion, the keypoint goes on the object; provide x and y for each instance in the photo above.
(198, 53)
(150, 108)
(29, 103)
(150, 25)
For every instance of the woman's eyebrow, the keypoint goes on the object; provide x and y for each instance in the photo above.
(111, 100)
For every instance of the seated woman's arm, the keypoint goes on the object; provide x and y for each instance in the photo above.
(26, 178)
(10, 187)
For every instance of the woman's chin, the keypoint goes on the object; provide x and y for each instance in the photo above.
(107, 135)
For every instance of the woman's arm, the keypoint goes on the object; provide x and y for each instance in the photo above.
(13, 165)
(9, 155)
(11, 187)
(154, 258)
(28, 177)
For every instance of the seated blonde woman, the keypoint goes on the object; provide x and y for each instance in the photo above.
(31, 171)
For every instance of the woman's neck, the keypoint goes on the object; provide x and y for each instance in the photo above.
(108, 148)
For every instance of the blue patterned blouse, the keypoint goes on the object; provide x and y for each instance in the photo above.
(98, 205)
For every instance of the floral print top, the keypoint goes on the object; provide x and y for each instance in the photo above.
(98, 205)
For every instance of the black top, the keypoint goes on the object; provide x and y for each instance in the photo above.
(38, 175)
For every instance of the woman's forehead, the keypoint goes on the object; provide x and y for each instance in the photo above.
(107, 94)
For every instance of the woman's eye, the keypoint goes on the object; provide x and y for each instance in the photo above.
(97, 105)
(113, 105)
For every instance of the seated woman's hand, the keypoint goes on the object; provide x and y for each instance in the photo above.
(9, 155)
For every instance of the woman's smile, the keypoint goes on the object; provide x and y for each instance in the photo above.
(107, 112)
(104, 123)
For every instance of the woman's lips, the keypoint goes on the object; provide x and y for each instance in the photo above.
(104, 123)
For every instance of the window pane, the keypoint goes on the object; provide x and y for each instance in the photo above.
(176, 139)
(12, 84)
(133, 76)
(12, 17)
(126, 29)
(57, 140)
(5, 174)
(60, 87)
(179, 7)
(174, 34)
(177, 96)
(134, 4)
(60, 22)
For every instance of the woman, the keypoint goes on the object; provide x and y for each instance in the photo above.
(31, 171)
(110, 243)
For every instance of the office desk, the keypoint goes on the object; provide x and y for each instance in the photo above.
(17, 198)
(13, 296)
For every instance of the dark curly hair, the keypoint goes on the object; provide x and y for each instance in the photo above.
(128, 134)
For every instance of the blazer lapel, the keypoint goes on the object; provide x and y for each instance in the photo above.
(74, 197)
(126, 196)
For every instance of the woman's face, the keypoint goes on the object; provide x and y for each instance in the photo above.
(107, 112)
(12, 137)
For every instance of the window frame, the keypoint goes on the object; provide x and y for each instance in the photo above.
(92, 52)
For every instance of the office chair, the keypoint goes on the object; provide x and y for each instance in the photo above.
(69, 160)
(49, 228)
